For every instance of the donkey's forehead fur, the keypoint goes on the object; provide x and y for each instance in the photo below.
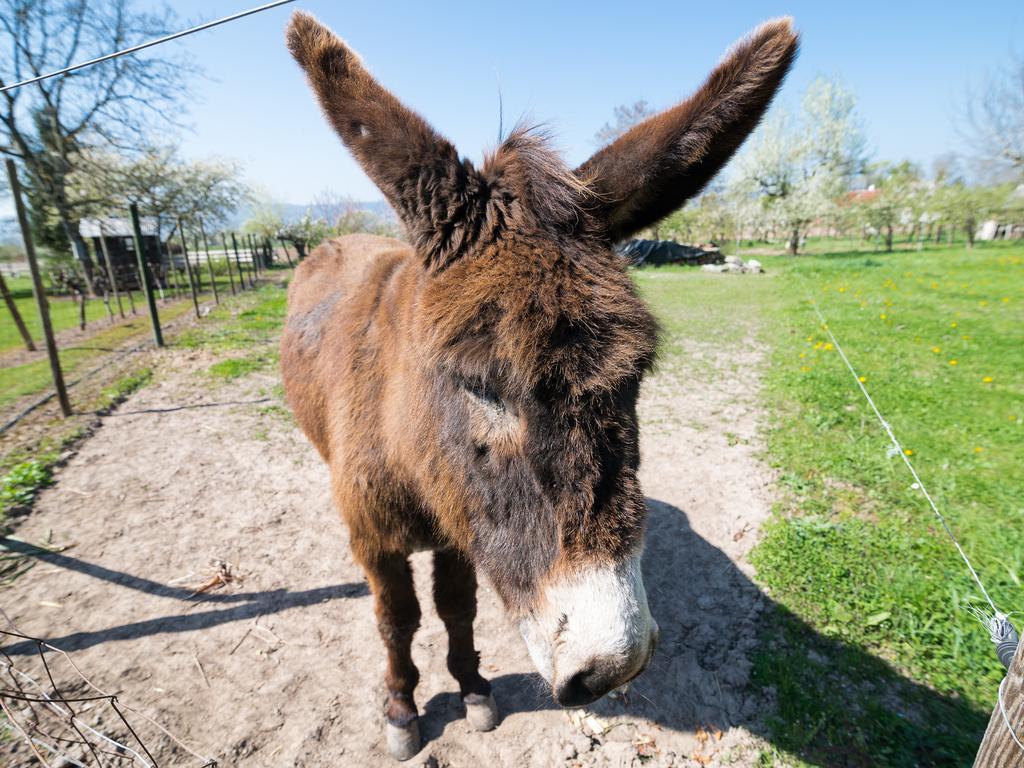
(533, 311)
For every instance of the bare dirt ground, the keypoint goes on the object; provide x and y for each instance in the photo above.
(283, 666)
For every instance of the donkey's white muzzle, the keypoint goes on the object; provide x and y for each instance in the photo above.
(592, 631)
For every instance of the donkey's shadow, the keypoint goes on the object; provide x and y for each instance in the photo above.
(713, 619)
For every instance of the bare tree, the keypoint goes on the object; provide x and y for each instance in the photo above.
(626, 116)
(995, 118)
(47, 125)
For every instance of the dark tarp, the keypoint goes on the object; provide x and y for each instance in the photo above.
(658, 252)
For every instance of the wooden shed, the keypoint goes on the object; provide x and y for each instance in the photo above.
(113, 236)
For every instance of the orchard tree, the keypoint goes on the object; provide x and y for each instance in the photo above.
(305, 233)
(800, 167)
(47, 125)
(166, 187)
(897, 199)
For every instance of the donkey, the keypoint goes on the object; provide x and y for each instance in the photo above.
(474, 391)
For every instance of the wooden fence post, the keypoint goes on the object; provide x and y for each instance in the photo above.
(998, 747)
(257, 266)
(238, 261)
(227, 262)
(287, 255)
(111, 276)
(188, 267)
(9, 300)
(196, 271)
(37, 289)
(209, 262)
(144, 275)
(172, 267)
(253, 262)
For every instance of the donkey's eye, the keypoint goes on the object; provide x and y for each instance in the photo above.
(485, 396)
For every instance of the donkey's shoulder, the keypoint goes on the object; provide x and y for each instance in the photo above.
(340, 264)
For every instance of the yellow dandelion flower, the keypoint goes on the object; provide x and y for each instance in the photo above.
(953, 324)
(810, 338)
(828, 347)
(952, 362)
(978, 449)
(842, 289)
(909, 451)
(987, 380)
(882, 316)
(936, 350)
(1005, 299)
(862, 379)
(935, 285)
(803, 354)
(805, 368)
(966, 338)
(984, 303)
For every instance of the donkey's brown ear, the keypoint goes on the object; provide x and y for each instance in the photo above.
(416, 168)
(653, 168)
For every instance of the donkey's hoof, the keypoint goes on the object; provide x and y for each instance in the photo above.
(403, 740)
(481, 711)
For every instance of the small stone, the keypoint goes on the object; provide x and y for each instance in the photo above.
(734, 260)
(754, 265)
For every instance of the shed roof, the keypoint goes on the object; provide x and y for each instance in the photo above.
(114, 226)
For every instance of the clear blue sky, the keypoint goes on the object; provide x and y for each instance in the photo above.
(568, 64)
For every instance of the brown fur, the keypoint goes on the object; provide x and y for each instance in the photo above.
(475, 392)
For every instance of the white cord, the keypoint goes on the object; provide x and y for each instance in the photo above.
(898, 448)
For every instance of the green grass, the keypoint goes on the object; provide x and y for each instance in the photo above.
(31, 378)
(862, 574)
(255, 317)
(854, 550)
(18, 488)
(64, 310)
(236, 367)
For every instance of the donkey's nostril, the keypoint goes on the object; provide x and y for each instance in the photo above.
(584, 687)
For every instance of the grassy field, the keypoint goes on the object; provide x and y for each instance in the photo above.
(871, 652)
(868, 648)
(64, 310)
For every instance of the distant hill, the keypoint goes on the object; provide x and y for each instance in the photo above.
(293, 212)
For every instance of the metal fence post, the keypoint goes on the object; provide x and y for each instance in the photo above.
(37, 289)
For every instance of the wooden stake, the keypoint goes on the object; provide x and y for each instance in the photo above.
(287, 255)
(196, 270)
(227, 262)
(998, 748)
(188, 267)
(37, 289)
(209, 262)
(9, 300)
(144, 275)
(238, 261)
(111, 276)
(256, 266)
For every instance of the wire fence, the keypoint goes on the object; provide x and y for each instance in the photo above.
(65, 719)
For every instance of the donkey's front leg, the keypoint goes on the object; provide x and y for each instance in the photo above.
(455, 597)
(398, 617)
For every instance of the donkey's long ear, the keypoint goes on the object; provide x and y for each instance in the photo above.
(417, 169)
(652, 169)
